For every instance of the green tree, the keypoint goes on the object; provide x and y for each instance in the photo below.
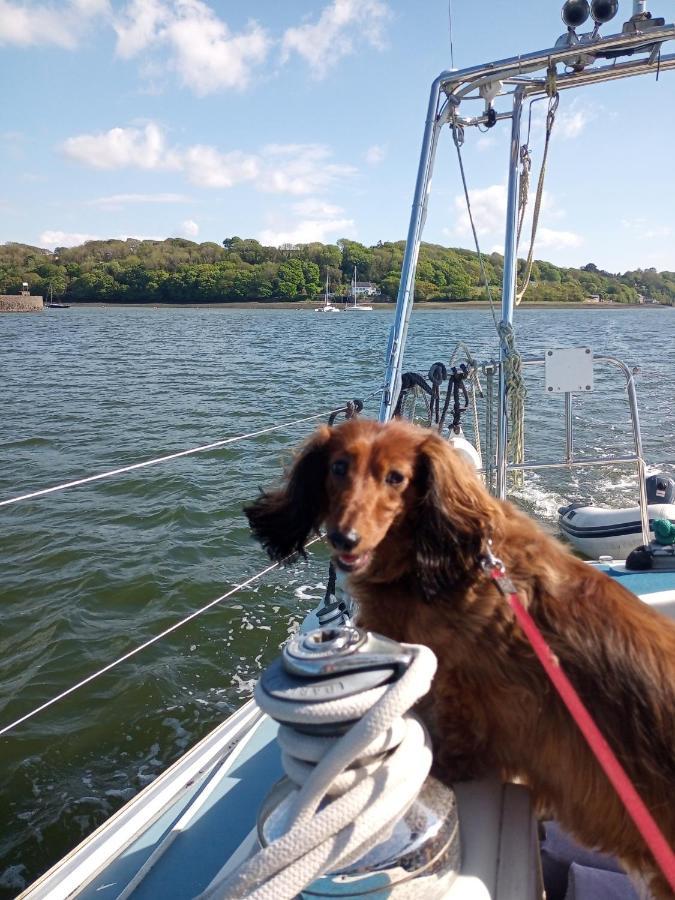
(312, 278)
(355, 254)
(290, 281)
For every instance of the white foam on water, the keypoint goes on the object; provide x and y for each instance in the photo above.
(243, 686)
(539, 501)
(307, 592)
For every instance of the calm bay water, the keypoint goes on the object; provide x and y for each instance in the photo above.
(91, 572)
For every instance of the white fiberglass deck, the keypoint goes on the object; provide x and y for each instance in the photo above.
(172, 839)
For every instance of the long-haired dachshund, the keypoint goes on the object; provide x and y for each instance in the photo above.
(408, 520)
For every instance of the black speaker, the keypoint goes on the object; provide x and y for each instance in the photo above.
(575, 13)
(604, 10)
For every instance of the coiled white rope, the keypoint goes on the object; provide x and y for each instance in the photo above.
(160, 459)
(323, 834)
(148, 643)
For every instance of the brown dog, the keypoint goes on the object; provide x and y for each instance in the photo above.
(408, 519)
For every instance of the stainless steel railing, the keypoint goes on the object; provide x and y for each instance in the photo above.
(501, 465)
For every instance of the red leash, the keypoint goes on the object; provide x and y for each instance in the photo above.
(642, 818)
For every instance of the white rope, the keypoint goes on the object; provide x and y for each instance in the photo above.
(523, 188)
(148, 643)
(322, 835)
(159, 459)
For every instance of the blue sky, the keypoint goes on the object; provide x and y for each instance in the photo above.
(301, 121)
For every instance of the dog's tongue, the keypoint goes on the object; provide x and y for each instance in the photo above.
(349, 558)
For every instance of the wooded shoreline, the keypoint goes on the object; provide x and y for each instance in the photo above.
(178, 272)
(309, 306)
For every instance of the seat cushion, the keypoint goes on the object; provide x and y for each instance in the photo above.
(585, 883)
(559, 852)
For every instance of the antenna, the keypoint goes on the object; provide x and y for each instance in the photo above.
(452, 52)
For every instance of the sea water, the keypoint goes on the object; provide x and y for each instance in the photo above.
(89, 573)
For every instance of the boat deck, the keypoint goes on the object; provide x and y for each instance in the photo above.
(199, 817)
(657, 588)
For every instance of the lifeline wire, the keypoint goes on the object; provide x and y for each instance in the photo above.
(159, 459)
(152, 640)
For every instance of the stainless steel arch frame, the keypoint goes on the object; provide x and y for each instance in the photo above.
(516, 78)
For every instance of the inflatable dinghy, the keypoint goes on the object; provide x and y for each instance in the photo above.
(599, 531)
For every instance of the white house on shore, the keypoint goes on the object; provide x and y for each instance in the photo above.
(366, 289)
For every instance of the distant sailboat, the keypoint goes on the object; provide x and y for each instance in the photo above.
(327, 305)
(355, 304)
(50, 303)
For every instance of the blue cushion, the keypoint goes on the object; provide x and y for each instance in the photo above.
(559, 851)
(585, 883)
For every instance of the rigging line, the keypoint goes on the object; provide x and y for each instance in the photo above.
(148, 643)
(554, 100)
(486, 282)
(159, 459)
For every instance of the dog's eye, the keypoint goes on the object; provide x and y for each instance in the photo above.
(394, 477)
(339, 467)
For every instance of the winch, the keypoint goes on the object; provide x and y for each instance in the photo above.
(357, 801)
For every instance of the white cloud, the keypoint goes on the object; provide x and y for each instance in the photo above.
(299, 169)
(207, 56)
(318, 221)
(139, 26)
(52, 239)
(485, 141)
(207, 167)
(660, 231)
(375, 154)
(203, 50)
(489, 213)
(189, 38)
(488, 206)
(316, 208)
(40, 24)
(277, 168)
(570, 120)
(341, 27)
(646, 229)
(552, 239)
(662, 261)
(119, 201)
(122, 147)
(189, 229)
(570, 123)
(308, 230)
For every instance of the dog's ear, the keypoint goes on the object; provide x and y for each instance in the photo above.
(283, 519)
(455, 517)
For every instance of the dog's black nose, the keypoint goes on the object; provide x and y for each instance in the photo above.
(344, 540)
